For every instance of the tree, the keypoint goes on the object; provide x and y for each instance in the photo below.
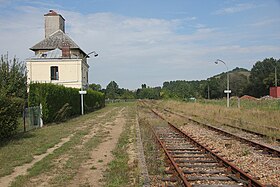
(215, 88)
(112, 90)
(96, 87)
(143, 86)
(12, 94)
(262, 77)
(238, 84)
(148, 93)
(13, 82)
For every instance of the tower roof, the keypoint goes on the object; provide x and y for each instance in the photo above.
(56, 40)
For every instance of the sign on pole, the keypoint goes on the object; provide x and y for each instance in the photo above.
(227, 91)
(82, 92)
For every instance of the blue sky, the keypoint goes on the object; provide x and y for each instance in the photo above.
(151, 41)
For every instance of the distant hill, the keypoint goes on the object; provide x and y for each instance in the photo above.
(236, 71)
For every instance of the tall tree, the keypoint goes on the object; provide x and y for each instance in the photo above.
(13, 82)
(262, 77)
(96, 87)
(112, 90)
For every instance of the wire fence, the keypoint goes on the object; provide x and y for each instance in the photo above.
(32, 117)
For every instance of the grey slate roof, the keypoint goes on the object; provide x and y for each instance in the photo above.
(56, 40)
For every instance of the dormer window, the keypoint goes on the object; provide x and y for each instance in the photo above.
(54, 73)
(44, 55)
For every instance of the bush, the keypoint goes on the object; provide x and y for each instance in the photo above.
(10, 110)
(60, 103)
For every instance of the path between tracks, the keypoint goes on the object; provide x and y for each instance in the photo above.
(91, 171)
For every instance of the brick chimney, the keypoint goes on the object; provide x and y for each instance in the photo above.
(65, 51)
(53, 23)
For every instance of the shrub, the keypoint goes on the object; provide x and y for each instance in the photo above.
(60, 103)
(10, 109)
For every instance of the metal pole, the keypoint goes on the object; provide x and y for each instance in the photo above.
(82, 95)
(218, 60)
(82, 103)
(227, 89)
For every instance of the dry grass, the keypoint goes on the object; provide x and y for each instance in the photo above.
(153, 155)
(252, 119)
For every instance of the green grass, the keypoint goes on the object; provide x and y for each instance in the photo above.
(76, 157)
(46, 164)
(119, 172)
(24, 146)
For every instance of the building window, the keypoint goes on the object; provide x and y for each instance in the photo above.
(54, 72)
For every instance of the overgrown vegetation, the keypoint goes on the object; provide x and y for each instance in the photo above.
(119, 171)
(60, 103)
(154, 156)
(10, 109)
(12, 94)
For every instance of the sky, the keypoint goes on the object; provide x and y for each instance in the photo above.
(150, 41)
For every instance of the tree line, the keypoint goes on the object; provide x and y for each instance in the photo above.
(255, 82)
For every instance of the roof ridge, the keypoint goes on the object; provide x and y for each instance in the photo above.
(58, 39)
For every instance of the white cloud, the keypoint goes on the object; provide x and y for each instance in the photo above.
(266, 22)
(236, 8)
(134, 50)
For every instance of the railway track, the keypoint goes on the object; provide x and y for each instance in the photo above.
(234, 126)
(264, 148)
(240, 128)
(192, 164)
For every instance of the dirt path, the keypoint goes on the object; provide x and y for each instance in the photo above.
(23, 169)
(91, 171)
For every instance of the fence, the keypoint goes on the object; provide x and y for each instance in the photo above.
(32, 117)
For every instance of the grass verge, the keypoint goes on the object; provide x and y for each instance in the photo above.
(22, 148)
(120, 172)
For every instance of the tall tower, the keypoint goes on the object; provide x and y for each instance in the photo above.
(53, 22)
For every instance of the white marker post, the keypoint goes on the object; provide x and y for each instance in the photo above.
(227, 92)
(82, 92)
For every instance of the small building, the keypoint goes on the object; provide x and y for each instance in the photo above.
(274, 92)
(58, 59)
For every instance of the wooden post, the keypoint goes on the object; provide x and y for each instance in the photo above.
(238, 102)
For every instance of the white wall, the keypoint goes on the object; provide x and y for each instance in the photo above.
(70, 71)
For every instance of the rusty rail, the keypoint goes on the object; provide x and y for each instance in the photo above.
(239, 174)
(242, 139)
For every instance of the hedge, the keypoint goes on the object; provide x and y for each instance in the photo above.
(10, 110)
(59, 102)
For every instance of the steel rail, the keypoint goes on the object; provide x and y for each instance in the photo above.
(231, 168)
(179, 171)
(242, 139)
(237, 127)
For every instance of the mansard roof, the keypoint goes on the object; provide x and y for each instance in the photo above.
(56, 40)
